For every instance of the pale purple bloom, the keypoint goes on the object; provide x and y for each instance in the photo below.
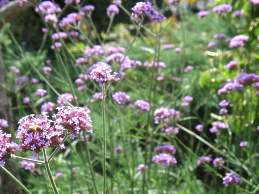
(28, 165)
(59, 36)
(177, 49)
(51, 18)
(212, 44)
(229, 87)
(204, 160)
(68, 2)
(238, 13)
(112, 10)
(26, 100)
(238, 41)
(199, 127)
(98, 96)
(70, 20)
(165, 148)
(165, 160)
(247, 78)
(231, 178)
(154, 64)
(75, 119)
(224, 104)
(15, 70)
(118, 149)
(7, 147)
(47, 70)
(47, 7)
(243, 144)
(168, 46)
(203, 13)
(142, 9)
(65, 99)
(142, 105)
(117, 2)
(47, 107)
(255, 2)
(88, 9)
(165, 115)
(171, 130)
(223, 8)
(102, 72)
(188, 68)
(56, 45)
(142, 168)
(34, 80)
(219, 36)
(186, 101)
(3, 124)
(218, 162)
(217, 126)
(36, 132)
(41, 92)
(232, 64)
(121, 98)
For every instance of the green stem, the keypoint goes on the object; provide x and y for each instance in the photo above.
(53, 184)
(15, 179)
(27, 159)
(110, 24)
(104, 139)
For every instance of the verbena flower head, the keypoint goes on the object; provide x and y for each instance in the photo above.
(224, 104)
(154, 64)
(3, 124)
(171, 130)
(142, 105)
(255, 2)
(112, 10)
(166, 160)
(238, 13)
(102, 72)
(59, 36)
(232, 65)
(219, 36)
(47, 7)
(36, 132)
(186, 101)
(65, 98)
(68, 2)
(199, 127)
(217, 126)
(142, 168)
(218, 162)
(243, 144)
(75, 119)
(165, 115)
(203, 160)
(121, 98)
(231, 178)
(26, 100)
(70, 20)
(40, 92)
(230, 87)
(238, 41)
(7, 147)
(165, 148)
(47, 107)
(98, 96)
(88, 9)
(202, 13)
(28, 165)
(142, 9)
(47, 70)
(223, 8)
(247, 78)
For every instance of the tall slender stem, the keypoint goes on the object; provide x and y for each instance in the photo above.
(104, 138)
(15, 180)
(53, 184)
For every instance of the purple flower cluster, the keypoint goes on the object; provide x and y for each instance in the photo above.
(171, 130)
(71, 20)
(218, 162)
(47, 107)
(238, 13)
(247, 78)
(75, 119)
(36, 132)
(142, 9)
(165, 148)
(28, 165)
(65, 98)
(217, 126)
(231, 178)
(255, 2)
(166, 160)
(204, 160)
(202, 13)
(223, 8)
(41, 92)
(142, 168)
(102, 72)
(243, 144)
(186, 101)
(121, 98)
(68, 2)
(3, 124)
(199, 127)
(154, 64)
(238, 41)
(7, 147)
(112, 10)
(88, 9)
(98, 96)
(165, 115)
(229, 87)
(142, 105)
(223, 105)
(232, 65)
